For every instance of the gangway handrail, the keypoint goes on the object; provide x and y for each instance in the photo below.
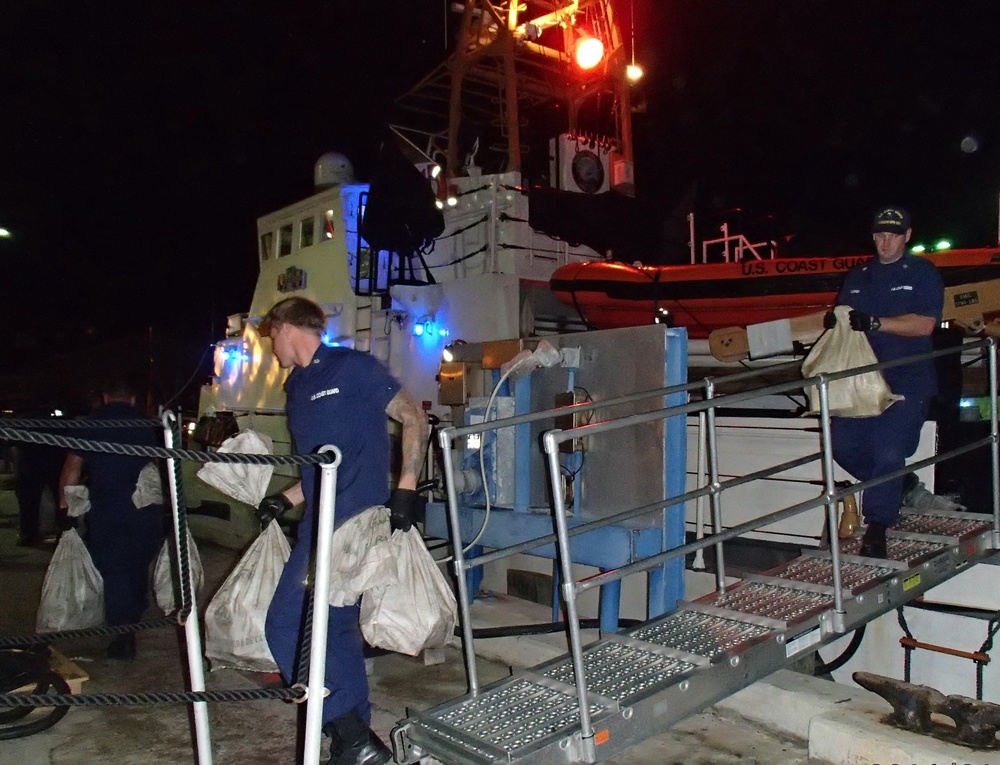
(552, 438)
(625, 515)
(822, 381)
(452, 432)
(717, 402)
(446, 436)
(570, 587)
(597, 580)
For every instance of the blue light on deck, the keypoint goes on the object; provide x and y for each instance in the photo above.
(336, 341)
(235, 354)
(429, 329)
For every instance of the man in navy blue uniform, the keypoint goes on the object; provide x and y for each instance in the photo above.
(897, 299)
(121, 538)
(337, 396)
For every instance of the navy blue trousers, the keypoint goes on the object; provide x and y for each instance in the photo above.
(345, 661)
(869, 447)
(122, 543)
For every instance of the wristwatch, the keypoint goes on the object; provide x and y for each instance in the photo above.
(876, 324)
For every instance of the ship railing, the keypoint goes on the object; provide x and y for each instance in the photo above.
(736, 248)
(828, 498)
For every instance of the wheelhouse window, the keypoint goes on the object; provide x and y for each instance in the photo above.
(285, 240)
(266, 245)
(307, 232)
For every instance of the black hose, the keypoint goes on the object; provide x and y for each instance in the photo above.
(846, 656)
(19, 670)
(515, 630)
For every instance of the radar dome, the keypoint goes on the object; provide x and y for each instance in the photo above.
(332, 169)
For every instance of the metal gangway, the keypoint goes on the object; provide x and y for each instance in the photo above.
(599, 699)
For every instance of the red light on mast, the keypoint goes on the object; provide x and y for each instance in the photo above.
(589, 52)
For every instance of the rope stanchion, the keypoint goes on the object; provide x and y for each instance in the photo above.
(192, 633)
(181, 530)
(21, 430)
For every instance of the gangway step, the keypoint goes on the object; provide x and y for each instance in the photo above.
(649, 677)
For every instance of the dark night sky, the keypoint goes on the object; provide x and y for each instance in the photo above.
(139, 142)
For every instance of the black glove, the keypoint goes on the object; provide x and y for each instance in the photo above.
(64, 522)
(403, 505)
(829, 320)
(273, 507)
(862, 322)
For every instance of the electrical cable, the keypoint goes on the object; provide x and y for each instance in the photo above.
(197, 367)
(516, 366)
(824, 668)
(20, 669)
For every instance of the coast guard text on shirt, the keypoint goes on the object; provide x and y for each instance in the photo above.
(321, 393)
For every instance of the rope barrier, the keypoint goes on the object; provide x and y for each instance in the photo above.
(19, 430)
(81, 423)
(105, 631)
(130, 450)
(146, 699)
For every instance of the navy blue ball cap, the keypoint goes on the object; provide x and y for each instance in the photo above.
(893, 220)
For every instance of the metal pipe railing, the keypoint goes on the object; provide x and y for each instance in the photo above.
(770, 518)
(636, 512)
(192, 632)
(316, 692)
(826, 448)
(711, 403)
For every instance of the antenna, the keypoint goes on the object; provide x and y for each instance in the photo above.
(631, 24)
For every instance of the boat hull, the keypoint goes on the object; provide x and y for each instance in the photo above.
(703, 298)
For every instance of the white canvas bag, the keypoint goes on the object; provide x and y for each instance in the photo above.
(164, 586)
(839, 349)
(73, 591)
(363, 556)
(244, 483)
(419, 611)
(234, 620)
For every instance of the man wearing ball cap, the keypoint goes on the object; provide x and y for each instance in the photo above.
(897, 300)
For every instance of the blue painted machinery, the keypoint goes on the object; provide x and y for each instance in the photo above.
(501, 477)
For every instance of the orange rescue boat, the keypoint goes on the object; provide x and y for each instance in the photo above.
(705, 297)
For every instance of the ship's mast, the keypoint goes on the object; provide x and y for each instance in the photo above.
(512, 67)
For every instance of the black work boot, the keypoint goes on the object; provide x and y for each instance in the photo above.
(354, 743)
(873, 543)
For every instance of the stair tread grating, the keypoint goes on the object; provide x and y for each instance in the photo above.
(700, 633)
(513, 715)
(820, 571)
(620, 672)
(941, 525)
(903, 550)
(463, 744)
(771, 601)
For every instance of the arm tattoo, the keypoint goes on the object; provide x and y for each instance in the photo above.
(404, 410)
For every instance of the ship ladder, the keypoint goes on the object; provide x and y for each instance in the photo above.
(647, 678)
